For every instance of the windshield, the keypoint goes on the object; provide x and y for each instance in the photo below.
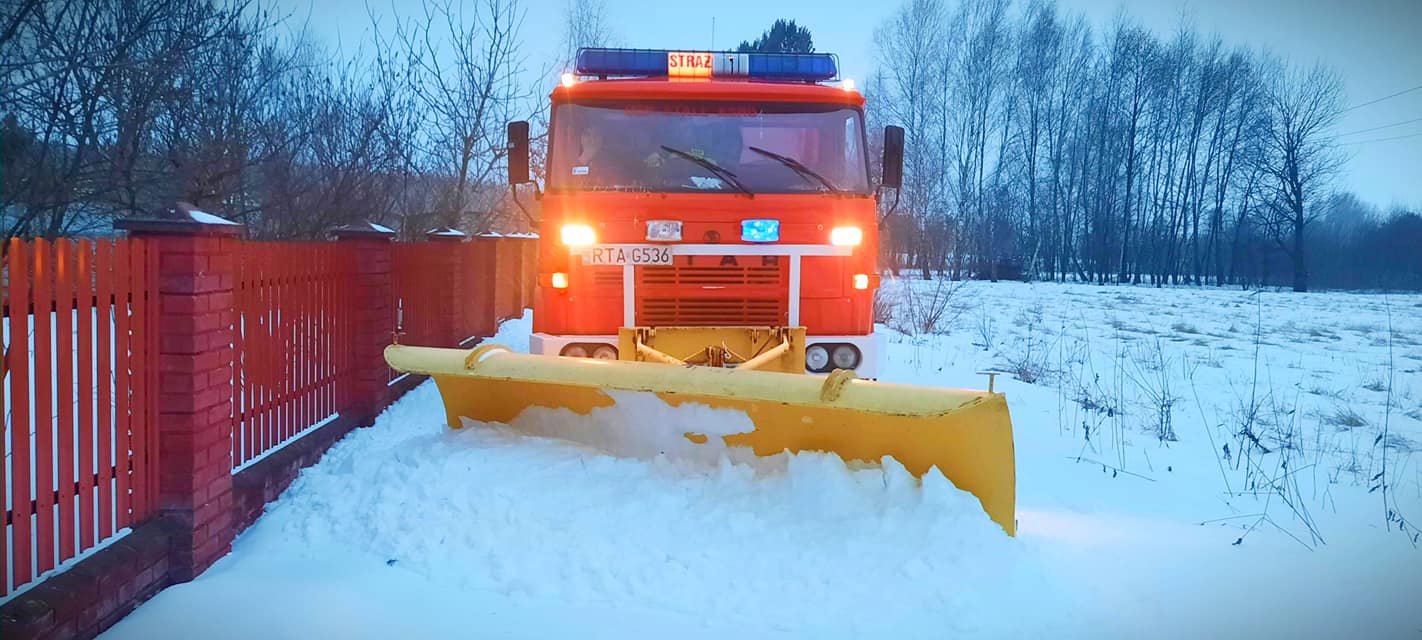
(732, 148)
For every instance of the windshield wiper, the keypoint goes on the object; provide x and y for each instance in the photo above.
(797, 167)
(720, 171)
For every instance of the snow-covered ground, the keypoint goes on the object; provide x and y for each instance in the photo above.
(1191, 463)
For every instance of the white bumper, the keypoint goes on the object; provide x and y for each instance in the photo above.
(871, 347)
(871, 351)
(549, 344)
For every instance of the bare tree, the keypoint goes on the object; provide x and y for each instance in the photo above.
(462, 65)
(585, 24)
(1299, 155)
(911, 90)
(82, 85)
(1125, 158)
(1031, 141)
(976, 118)
(1039, 53)
(1069, 88)
(119, 108)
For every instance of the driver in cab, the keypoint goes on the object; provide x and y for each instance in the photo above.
(597, 164)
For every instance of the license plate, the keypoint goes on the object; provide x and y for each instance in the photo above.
(624, 254)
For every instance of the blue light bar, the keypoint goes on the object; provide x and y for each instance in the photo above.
(803, 67)
(793, 66)
(760, 230)
(622, 62)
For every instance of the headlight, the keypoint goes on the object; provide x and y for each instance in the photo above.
(574, 351)
(845, 356)
(816, 358)
(605, 352)
(846, 236)
(578, 235)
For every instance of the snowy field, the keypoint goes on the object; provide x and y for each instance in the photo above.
(1191, 463)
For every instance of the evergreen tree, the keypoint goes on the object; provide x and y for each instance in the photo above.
(783, 37)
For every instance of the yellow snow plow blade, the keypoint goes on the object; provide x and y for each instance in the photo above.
(967, 435)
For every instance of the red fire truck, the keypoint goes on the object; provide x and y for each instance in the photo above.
(715, 209)
(710, 208)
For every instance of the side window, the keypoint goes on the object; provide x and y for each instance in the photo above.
(852, 153)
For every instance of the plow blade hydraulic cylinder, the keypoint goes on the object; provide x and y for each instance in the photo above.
(966, 435)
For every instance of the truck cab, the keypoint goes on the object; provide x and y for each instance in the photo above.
(707, 207)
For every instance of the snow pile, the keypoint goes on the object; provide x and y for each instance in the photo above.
(641, 425)
(514, 333)
(793, 544)
(607, 526)
(789, 541)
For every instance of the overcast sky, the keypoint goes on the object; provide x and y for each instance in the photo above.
(1375, 44)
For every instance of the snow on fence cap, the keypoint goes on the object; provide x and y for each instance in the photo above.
(182, 217)
(446, 232)
(363, 229)
(207, 218)
(185, 210)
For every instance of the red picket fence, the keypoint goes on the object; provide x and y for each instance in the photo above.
(81, 389)
(295, 322)
(79, 445)
(448, 292)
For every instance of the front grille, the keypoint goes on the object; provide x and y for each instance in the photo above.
(716, 292)
(685, 275)
(704, 312)
(606, 276)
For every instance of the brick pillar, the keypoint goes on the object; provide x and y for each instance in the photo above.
(374, 320)
(449, 264)
(197, 277)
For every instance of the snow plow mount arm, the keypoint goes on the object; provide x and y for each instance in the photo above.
(766, 357)
(744, 348)
(652, 354)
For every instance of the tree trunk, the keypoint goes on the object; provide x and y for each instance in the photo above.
(1300, 265)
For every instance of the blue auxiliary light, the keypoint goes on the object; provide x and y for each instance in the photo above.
(760, 230)
(804, 67)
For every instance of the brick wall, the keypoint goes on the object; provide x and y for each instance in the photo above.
(96, 592)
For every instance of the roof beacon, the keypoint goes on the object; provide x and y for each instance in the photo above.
(663, 63)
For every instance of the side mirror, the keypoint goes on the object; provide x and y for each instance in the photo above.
(518, 152)
(893, 157)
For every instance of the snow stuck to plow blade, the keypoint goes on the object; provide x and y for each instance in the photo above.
(965, 435)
